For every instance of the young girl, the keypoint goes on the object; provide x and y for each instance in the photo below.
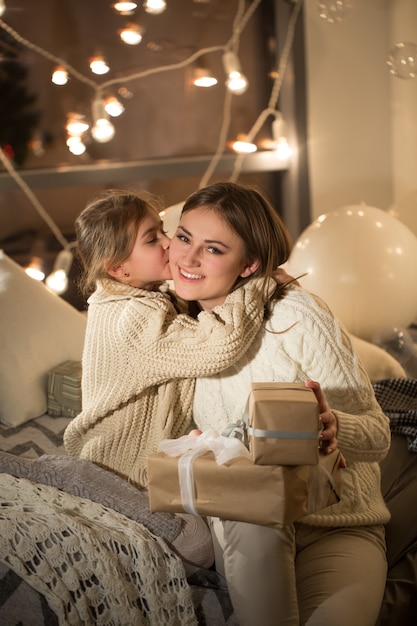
(140, 357)
(330, 568)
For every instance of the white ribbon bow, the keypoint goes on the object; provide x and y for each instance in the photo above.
(192, 446)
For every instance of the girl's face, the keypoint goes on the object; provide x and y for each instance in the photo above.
(148, 263)
(206, 258)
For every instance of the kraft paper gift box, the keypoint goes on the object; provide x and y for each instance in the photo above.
(283, 424)
(64, 389)
(239, 489)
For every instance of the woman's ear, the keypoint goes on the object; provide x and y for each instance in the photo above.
(250, 269)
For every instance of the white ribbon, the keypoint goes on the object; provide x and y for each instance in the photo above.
(190, 447)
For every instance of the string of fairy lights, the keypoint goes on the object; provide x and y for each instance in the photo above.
(103, 129)
(104, 107)
(401, 62)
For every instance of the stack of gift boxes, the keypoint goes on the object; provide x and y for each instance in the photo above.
(283, 477)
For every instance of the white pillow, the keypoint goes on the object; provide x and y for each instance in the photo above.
(38, 330)
(378, 363)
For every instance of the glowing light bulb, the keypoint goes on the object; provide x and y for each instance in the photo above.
(76, 145)
(155, 6)
(113, 106)
(2, 7)
(59, 76)
(57, 281)
(236, 82)
(203, 78)
(282, 149)
(76, 124)
(131, 34)
(103, 130)
(34, 269)
(125, 8)
(243, 146)
(98, 65)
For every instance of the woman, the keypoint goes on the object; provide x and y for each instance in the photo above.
(330, 568)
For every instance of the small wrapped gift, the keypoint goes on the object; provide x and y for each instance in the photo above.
(283, 424)
(204, 476)
(64, 389)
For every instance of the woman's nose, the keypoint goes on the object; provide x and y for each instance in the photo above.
(191, 256)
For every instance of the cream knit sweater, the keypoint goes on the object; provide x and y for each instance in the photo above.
(139, 366)
(307, 342)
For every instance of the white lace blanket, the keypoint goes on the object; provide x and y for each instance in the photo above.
(93, 565)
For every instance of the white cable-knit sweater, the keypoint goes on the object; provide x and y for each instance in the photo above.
(139, 366)
(303, 340)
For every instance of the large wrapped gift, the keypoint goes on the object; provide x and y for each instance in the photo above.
(283, 424)
(212, 475)
(64, 389)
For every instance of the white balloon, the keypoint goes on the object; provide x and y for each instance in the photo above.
(406, 211)
(363, 262)
(171, 217)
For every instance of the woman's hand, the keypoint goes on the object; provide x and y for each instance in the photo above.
(328, 435)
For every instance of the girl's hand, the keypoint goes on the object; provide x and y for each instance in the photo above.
(195, 432)
(328, 439)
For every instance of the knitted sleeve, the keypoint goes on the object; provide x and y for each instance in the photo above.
(324, 352)
(182, 347)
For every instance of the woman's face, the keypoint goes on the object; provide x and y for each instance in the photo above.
(206, 258)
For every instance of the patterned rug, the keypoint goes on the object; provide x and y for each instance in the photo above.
(42, 435)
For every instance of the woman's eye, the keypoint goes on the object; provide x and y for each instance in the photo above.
(214, 250)
(183, 238)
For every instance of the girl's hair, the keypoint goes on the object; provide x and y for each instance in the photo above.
(247, 212)
(106, 231)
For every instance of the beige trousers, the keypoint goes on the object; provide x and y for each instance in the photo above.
(303, 575)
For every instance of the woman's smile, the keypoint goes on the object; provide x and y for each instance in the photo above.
(189, 276)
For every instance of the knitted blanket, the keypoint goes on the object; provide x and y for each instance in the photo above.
(93, 565)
